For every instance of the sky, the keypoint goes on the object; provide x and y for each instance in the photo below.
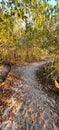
(52, 2)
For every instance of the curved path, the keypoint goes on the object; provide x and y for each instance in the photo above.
(30, 108)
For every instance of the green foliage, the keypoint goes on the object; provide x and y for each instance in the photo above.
(28, 30)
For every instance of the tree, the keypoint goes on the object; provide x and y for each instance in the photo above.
(28, 24)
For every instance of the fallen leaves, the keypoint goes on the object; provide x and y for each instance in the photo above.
(6, 92)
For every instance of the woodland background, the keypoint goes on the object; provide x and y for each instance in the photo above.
(29, 31)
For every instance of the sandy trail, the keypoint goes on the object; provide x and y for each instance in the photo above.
(30, 108)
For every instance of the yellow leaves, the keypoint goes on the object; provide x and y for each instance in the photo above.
(18, 1)
(33, 1)
(39, 20)
(57, 66)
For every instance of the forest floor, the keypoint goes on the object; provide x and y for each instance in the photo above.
(24, 104)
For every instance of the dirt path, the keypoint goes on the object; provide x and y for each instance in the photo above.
(30, 108)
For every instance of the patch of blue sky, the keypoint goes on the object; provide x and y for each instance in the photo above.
(52, 2)
(4, 0)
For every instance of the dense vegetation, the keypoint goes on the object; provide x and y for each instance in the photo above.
(29, 30)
